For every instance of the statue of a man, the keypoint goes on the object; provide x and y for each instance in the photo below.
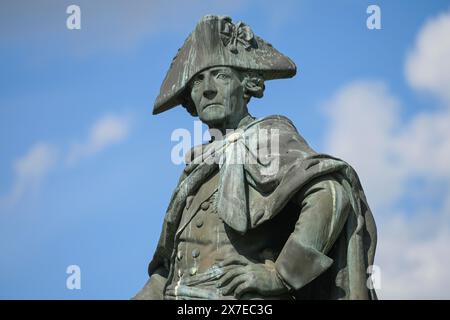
(257, 214)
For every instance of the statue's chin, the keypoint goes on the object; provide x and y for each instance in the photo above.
(213, 115)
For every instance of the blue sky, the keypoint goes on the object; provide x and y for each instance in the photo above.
(85, 169)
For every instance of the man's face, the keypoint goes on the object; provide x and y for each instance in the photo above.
(218, 95)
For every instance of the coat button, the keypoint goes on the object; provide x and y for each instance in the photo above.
(195, 253)
(199, 223)
(205, 205)
(193, 271)
(179, 255)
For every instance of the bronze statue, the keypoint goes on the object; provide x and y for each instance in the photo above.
(257, 214)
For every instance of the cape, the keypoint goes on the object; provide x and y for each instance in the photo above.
(266, 162)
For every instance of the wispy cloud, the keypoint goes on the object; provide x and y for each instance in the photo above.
(108, 130)
(390, 154)
(413, 254)
(29, 172)
(31, 169)
(428, 64)
(363, 119)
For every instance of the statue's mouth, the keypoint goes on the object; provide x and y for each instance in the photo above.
(212, 104)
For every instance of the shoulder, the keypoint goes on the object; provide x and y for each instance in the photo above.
(273, 124)
(274, 121)
(284, 128)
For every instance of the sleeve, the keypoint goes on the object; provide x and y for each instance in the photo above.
(154, 288)
(324, 209)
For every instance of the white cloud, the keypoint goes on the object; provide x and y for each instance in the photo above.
(389, 154)
(109, 130)
(428, 65)
(366, 130)
(426, 141)
(413, 256)
(364, 116)
(386, 151)
(29, 171)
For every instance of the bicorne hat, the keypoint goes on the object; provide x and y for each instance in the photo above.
(216, 41)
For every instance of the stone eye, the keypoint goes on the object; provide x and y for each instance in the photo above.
(197, 80)
(222, 76)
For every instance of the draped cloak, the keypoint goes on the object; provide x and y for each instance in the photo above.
(262, 165)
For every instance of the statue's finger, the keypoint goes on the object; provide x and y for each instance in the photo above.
(229, 288)
(242, 289)
(229, 276)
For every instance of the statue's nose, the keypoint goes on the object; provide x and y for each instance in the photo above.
(209, 94)
(210, 89)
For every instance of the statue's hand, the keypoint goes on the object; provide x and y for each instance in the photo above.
(247, 276)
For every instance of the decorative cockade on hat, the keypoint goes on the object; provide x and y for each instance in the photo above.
(232, 35)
